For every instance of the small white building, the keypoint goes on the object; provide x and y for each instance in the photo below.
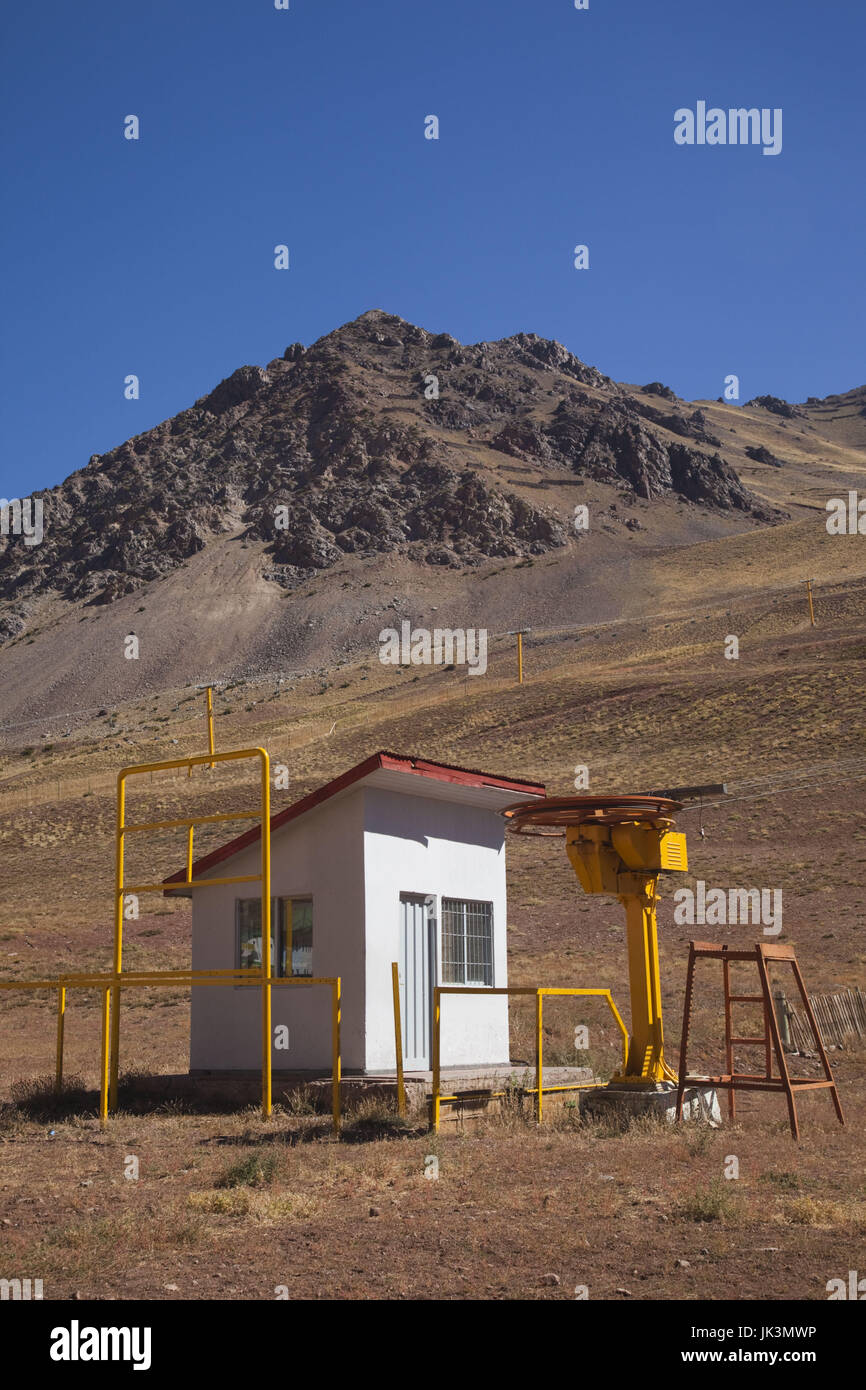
(399, 859)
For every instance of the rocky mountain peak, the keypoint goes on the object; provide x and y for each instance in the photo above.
(381, 437)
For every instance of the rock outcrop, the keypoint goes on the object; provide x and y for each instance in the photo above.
(364, 444)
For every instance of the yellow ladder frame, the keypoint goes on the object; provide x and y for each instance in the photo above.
(111, 1007)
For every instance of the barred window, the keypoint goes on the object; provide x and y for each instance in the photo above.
(467, 942)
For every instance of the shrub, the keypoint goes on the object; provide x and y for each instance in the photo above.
(710, 1204)
(256, 1170)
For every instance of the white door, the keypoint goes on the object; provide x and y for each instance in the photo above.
(417, 968)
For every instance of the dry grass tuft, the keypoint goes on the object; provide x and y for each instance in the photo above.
(713, 1203)
(264, 1207)
(254, 1170)
(824, 1214)
(376, 1119)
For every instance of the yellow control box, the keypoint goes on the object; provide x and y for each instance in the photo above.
(644, 847)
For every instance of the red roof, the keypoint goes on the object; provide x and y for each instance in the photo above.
(392, 762)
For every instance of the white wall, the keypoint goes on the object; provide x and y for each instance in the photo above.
(318, 855)
(416, 844)
(354, 856)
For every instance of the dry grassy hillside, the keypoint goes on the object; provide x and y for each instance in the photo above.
(229, 1206)
(642, 703)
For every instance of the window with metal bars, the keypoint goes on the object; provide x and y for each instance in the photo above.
(467, 942)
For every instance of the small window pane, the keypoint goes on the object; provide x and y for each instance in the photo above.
(291, 935)
(302, 936)
(249, 917)
(453, 943)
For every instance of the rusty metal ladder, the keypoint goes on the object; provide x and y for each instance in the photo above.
(732, 1081)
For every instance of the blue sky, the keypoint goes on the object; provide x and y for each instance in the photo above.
(306, 127)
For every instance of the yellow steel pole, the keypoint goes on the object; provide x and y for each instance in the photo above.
(398, 1038)
(625, 858)
(115, 1043)
(336, 1064)
(520, 657)
(437, 1006)
(104, 1066)
(267, 1105)
(61, 1015)
(539, 1010)
(118, 933)
(646, 1046)
(811, 605)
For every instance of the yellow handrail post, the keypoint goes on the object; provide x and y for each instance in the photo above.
(437, 1006)
(398, 1038)
(539, 1008)
(267, 1092)
(520, 658)
(115, 1044)
(114, 1061)
(622, 1028)
(336, 1065)
(61, 1015)
(104, 1068)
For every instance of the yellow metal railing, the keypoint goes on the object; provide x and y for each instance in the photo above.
(539, 1089)
(144, 979)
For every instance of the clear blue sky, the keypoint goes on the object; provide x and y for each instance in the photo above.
(306, 127)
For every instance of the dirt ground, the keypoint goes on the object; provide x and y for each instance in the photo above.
(516, 1211)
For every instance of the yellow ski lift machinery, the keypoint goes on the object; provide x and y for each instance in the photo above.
(618, 845)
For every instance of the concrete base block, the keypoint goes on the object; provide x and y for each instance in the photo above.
(700, 1103)
(226, 1091)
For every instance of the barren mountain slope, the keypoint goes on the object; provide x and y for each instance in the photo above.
(418, 478)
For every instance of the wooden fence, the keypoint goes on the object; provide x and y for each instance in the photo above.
(841, 1017)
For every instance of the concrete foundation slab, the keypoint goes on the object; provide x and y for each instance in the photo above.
(700, 1103)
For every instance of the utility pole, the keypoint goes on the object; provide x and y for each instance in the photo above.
(210, 743)
(809, 583)
(210, 739)
(519, 633)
